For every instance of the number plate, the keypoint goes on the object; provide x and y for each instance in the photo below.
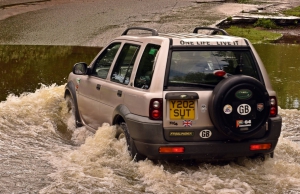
(182, 109)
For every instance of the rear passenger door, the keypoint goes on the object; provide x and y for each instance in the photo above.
(112, 93)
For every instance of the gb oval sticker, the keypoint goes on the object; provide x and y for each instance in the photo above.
(205, 133)
(243, 94)
(244, 109)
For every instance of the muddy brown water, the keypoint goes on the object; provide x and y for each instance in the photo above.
(25, 68)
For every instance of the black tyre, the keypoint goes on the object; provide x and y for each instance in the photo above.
(130, 143)
(239, 107)
(72, 108)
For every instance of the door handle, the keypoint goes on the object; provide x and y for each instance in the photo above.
(119, 93)
(98, 86)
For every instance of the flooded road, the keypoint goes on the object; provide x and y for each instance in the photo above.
(41, 152)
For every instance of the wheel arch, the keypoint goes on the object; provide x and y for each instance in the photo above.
(120, 117)
(70, 91)
(119, 114)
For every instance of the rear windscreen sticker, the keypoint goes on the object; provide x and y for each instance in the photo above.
(227, 109)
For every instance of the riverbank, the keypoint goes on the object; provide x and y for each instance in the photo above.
(94, 23)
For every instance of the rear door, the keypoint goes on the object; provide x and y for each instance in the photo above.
(114, 90)
(189, 83)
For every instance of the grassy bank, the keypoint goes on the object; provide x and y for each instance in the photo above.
(253, 34)
(257, 32)
(292, 12)
(261, 30)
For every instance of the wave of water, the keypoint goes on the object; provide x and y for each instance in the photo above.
(41, 152)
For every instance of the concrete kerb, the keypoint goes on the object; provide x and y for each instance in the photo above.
(238, 19)
(251, 17)
(9, 3)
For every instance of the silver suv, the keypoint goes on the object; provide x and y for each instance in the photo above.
(179, 96)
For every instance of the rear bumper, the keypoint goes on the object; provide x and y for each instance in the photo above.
(148, 137)
(204, 150)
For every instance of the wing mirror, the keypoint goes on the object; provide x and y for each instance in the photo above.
(80, 68)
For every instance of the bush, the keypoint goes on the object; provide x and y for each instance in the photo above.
(243, 1)
(229, 19)
(265, 23)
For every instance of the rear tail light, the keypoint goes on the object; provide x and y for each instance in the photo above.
(156, 109)
(169, 150)
(265, 146)
(274, 107)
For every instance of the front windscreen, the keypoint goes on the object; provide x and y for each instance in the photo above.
(197, 67)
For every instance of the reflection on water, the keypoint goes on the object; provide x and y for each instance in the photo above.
(24, 67)
(282, 62)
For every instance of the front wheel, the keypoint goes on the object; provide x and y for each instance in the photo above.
(135, 155)
(72, 109)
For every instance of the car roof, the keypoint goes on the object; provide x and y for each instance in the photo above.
(189, 39)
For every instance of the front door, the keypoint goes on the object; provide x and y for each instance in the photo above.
(90, 87)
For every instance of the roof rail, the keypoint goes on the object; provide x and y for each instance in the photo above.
(215, 30)
(154, 31)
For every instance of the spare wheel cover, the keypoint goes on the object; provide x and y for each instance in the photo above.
(239, 107)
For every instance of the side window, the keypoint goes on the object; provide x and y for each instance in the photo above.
(123, 68)
(146, 67)
(104, 61)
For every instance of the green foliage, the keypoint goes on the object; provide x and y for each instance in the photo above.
(229, 19)
(249, 2)
(243, 1)
(265, 23)
(254, 35)
(293, 12)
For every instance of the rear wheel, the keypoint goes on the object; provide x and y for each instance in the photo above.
(130, 143)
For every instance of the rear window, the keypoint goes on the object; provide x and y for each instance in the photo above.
(197, 67)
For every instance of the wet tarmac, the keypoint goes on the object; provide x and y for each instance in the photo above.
(96, 22)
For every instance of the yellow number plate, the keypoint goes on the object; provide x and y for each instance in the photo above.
(182, 109)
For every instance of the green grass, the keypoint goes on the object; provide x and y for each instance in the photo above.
(293, 12)
(243, 1)
(250, 2)
(254, 35)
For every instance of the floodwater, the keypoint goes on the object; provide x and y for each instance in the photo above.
(41, 152)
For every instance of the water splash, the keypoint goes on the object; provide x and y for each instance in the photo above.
(42, 152)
